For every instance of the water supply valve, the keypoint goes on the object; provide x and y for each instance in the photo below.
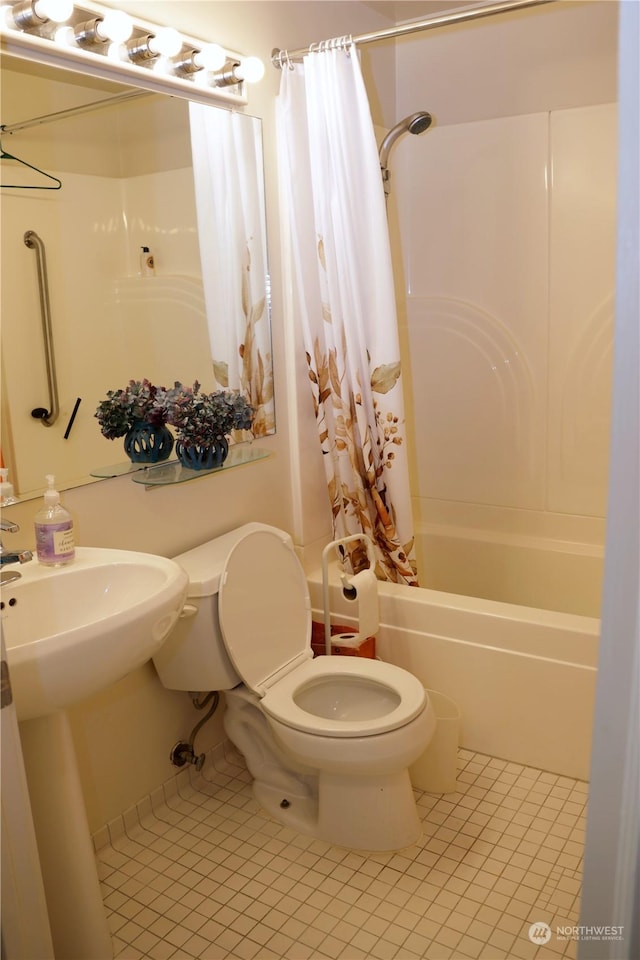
(183, 753)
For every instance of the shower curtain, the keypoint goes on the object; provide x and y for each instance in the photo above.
(227, 171)
(344, 296)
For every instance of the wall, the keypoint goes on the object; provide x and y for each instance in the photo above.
(123, 736)
(551, 57)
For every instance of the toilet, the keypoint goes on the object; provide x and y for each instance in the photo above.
(328, 741)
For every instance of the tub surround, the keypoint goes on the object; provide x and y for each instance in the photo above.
(508, 331)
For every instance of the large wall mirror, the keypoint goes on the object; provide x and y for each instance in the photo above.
(139, 170)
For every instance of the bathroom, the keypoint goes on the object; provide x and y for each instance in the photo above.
(138, 712)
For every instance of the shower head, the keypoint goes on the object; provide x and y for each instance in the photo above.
(417, 123)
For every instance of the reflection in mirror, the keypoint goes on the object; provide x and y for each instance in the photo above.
(127, 181)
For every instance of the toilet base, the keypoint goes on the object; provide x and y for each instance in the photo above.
(375, 814)
(297, 809)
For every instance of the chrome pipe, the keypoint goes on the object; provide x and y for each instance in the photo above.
(47, 417)
(75, 111)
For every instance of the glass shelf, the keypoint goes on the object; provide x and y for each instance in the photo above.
(172, 471)
(117, 470)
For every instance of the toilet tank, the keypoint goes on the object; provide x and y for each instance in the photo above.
(194, 657)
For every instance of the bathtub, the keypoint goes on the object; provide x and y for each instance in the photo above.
(548, 573)
(523, 678)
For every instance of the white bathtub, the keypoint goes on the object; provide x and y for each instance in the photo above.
(523, 678)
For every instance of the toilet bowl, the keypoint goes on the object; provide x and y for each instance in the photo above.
(328, 741)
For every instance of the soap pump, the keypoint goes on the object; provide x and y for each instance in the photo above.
(7, 495)
(54, 529)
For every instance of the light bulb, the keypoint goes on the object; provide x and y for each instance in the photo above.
(211, 57)
(163, 66)
(118, 52)
(6, 18)
(250, 69)
(202, 78)
(65, 36)
(167, 42)
(56, 10)
(115, 26)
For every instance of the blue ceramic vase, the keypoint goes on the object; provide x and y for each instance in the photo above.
(203, 457)
(146, 443)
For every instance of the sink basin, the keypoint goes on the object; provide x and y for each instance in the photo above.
(71, 631)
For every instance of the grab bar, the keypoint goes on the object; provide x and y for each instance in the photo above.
(47, 417)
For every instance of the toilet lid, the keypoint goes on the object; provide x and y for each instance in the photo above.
(264, 608)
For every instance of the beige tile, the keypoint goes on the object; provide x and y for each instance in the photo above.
(249, 887)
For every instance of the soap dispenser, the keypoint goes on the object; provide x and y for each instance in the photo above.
(54, 529)
(7, 495)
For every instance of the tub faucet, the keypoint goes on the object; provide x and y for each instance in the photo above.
(21, 556)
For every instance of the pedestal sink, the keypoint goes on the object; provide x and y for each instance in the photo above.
(71, 631)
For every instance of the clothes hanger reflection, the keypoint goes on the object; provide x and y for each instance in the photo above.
(4, 155)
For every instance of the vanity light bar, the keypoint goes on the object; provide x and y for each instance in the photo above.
(109, 43)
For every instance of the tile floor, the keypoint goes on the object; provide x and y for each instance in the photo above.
(198, 871)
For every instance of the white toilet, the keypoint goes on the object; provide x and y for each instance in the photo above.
(328, 740)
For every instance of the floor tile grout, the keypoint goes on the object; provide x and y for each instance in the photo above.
(199, 871)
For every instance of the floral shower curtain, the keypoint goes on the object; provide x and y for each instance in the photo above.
(345, 301)
(226, 149)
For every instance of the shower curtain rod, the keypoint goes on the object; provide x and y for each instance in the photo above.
(281, 57)
(72, 111)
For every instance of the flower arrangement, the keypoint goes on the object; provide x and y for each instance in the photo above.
(142, 412)
(122, 408)
(201, 419)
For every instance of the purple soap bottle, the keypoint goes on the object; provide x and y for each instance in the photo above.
(54, 529)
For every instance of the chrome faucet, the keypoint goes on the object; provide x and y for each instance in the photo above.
(21, 556)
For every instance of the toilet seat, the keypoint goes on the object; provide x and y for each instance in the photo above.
(398, 699)
(266, 625)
